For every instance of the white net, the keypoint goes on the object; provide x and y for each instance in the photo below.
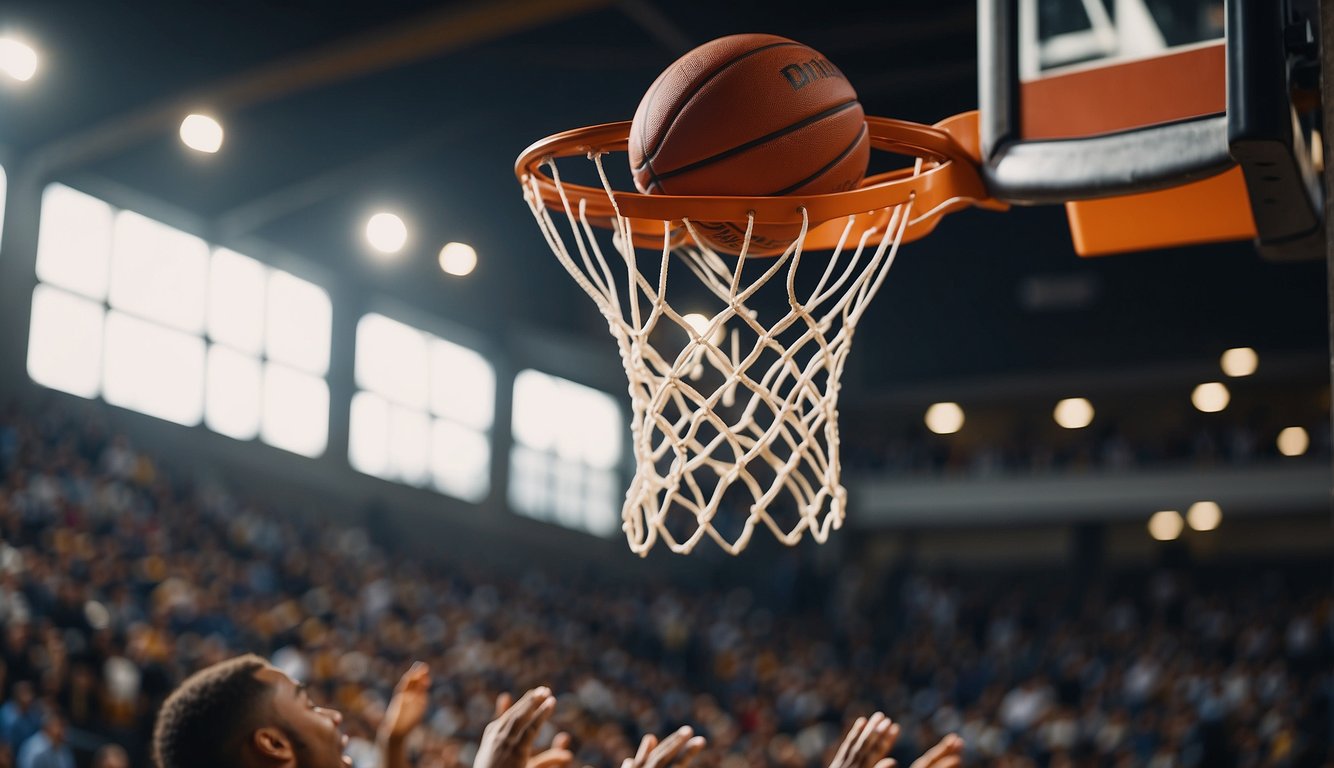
(735, 403)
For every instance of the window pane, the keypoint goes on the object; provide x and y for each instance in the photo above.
(592, 430)
(74, 245)
(567, 444)
(368, 434)
(153, 370)
(460, 460)
(391, 360)
(529, 487)
(3, 183)
(158, 273)
(569, 495)
(602, 504)
(463, 385)
(300, 316)
(537, 409)
(409, 441)
(296, 411)
(236, 301)
(65, 342)
(231, 401)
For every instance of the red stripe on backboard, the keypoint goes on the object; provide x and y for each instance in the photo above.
(1098, 100)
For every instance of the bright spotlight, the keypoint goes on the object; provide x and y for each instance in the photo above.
(1204, 515)
(1239, 361)
(458, 259)
(700, 323)
(17, 59)
(201, 133)
(1210, 397)
(1293, 441)
(1165, 525)
(1073, 413)
(386, 232)
(944, 418)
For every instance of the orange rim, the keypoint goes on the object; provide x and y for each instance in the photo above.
(948, 180)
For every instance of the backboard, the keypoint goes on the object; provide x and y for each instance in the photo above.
(1187, 117)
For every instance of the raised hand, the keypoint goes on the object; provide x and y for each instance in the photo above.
(508, 741)
(557, 755)
(947, 754)
(675, 751)
(407, 708)
(405, 712)
(868, 741)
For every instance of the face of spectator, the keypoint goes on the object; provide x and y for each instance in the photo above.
(309, 736)
(111, 757)
(23, 695)
(54, 728)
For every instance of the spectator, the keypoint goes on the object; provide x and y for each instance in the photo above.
(47, 747)
(169, 577)
(20, 717)
(111, 756)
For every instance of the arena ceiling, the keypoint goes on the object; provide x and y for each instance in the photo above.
(332, 109)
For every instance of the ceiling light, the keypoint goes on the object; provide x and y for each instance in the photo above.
(386, 233)
(1165, 525)
(1293, 441)
(1240, 361)
(1210, 397)
(17, 59)
(458, 259)
(1073, 413)
(201, 133)
(1204, 515)
(944, 418)
(700, 324)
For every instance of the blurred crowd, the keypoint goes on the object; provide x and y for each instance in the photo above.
(866, 447)
(118, 577)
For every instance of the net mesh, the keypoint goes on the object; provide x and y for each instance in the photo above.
(735, 405)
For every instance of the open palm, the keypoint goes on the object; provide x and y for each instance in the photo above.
(407, 708)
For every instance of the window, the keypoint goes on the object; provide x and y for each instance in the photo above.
(158, 273)
(153, 319)
(65, 342)
(74, 245)
(567, 446)
(152, 369)
(424, 410)
(3, 184)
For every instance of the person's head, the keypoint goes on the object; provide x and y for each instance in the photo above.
(54, 728)
(245, 712)
(24, 694)
(111, 756)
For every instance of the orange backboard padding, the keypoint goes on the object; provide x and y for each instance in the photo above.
(1212, 210)
(1163, 89)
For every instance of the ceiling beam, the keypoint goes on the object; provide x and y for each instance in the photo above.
(419, 38)
(653, 21)
(250, 215)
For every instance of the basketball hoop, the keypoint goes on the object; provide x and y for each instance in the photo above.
(735, 420)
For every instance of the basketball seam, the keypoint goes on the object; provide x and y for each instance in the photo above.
(802, 123)
(841, 157)
(683, 101)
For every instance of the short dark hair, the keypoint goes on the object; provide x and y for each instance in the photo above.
(204, 723)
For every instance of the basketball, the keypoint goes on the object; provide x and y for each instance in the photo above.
(749, 115)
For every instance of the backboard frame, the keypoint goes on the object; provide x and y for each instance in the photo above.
(1258, 128)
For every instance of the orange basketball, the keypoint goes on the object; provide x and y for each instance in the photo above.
(749, 115)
